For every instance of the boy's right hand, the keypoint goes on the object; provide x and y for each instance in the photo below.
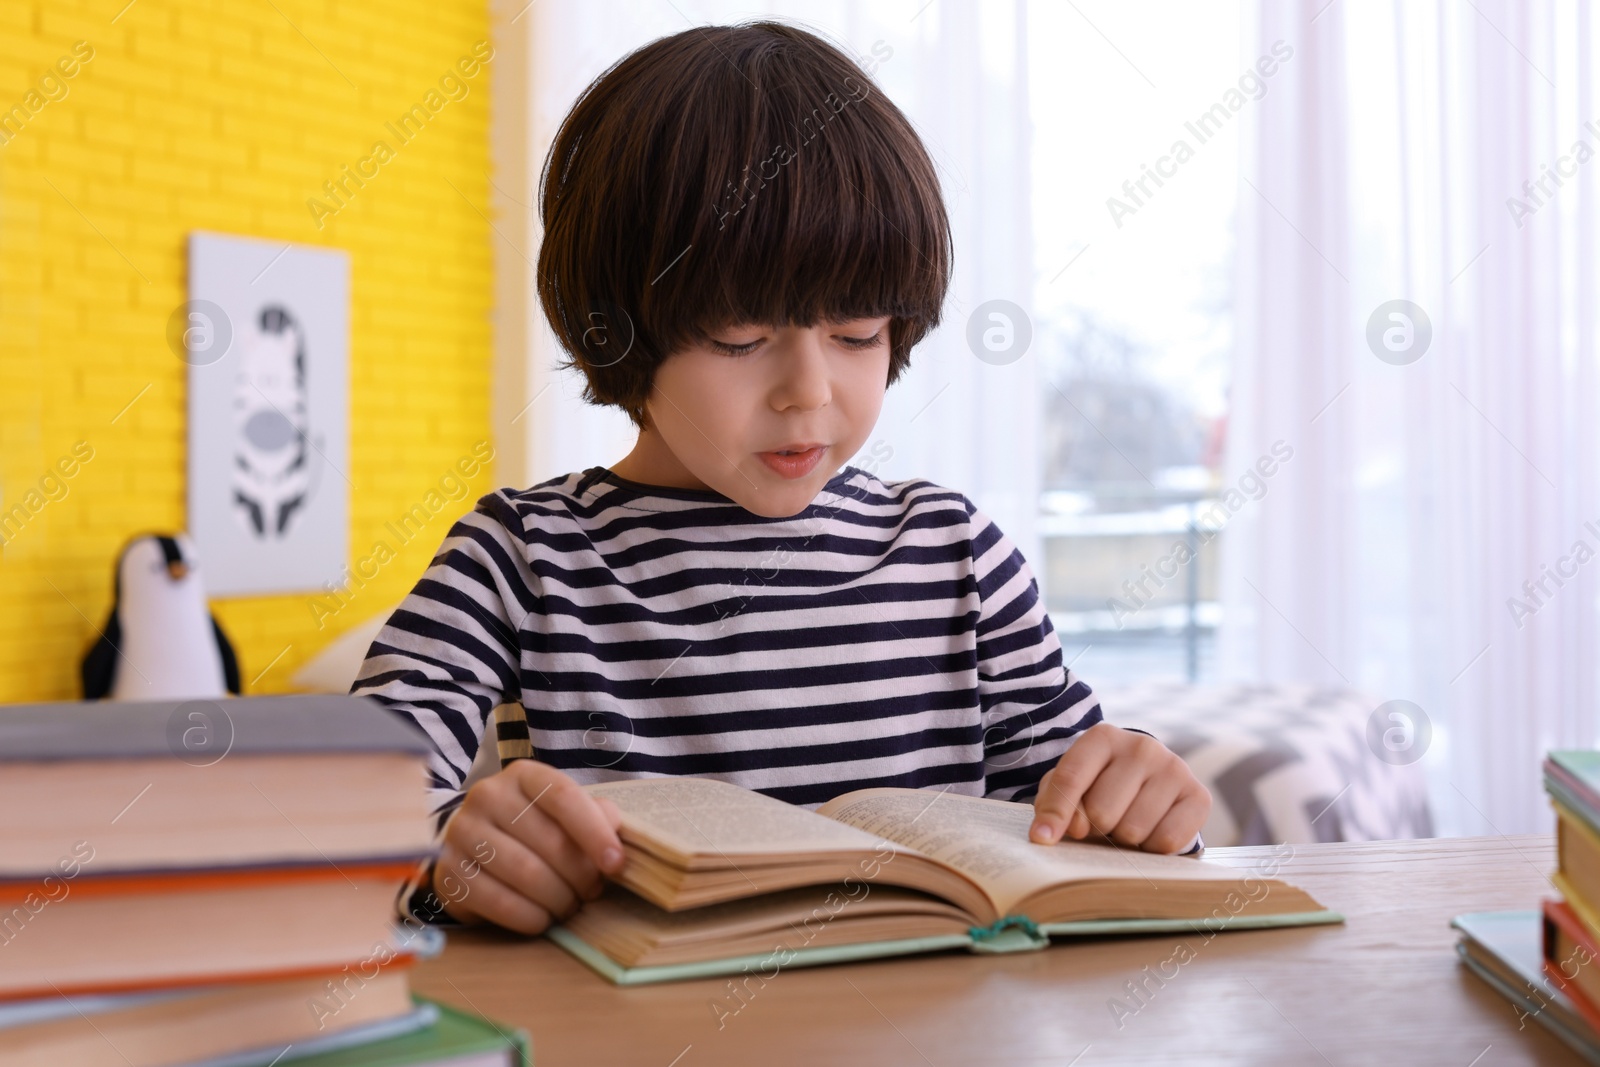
(526, 848)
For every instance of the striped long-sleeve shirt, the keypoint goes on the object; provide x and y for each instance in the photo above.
(888, 635)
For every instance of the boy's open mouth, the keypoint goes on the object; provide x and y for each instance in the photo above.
(794, 461)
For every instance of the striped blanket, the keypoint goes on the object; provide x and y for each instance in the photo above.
(1284, 763)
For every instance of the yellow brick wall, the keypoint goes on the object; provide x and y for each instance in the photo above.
(228, 116)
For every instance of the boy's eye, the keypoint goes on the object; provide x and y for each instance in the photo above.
(862, 342)
(741, 348)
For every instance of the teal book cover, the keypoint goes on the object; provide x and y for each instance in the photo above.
(435, 1034)
(456, 1036)
(1505, 950)
(1574, 775)
(1011, 934)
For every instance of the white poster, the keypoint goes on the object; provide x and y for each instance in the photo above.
(266, 334)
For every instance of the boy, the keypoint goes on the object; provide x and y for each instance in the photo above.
(743, 242)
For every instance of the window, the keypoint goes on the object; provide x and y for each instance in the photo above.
(1135, 176)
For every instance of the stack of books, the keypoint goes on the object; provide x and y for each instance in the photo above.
(214, 882)
(1547, 962)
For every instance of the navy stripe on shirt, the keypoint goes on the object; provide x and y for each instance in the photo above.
(888, 635)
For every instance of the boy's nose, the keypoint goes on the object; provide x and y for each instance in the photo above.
(805, 381)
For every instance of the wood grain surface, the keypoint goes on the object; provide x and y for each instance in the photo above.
(1384, 987)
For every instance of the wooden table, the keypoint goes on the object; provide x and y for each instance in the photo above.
(1384, 987)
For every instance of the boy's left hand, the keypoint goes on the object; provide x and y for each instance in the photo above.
(1124, 786)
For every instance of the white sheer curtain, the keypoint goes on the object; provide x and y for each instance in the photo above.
(1392, 552)
(962, 80)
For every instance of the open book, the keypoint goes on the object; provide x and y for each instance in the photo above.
(719, 879)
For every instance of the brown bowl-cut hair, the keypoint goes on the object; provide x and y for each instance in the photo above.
(728, 175)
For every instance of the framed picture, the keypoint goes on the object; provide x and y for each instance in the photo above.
(266, 334)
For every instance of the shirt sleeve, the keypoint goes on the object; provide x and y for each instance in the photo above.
(449, 655)
(1033, 706)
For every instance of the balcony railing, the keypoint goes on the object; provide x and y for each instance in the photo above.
(1116, 565)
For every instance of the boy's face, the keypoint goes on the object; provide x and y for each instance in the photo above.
(718, 411)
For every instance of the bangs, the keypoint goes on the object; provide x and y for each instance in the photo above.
(729, 175)
(808, 207)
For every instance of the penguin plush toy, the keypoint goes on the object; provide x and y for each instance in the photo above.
(161, 641)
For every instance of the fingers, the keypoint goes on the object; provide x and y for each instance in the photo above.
(1145, 810)
(476, 853)
(541, 837)
(578, 814)
(554, 875)
(1123, 787)
(1183, 820)
(613, 813)
(1063, 787)
(522, 849)
(488, 898)
(1108, 799)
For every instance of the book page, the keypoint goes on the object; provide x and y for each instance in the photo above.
(635, 932)
(700, 816)
(987, 840)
